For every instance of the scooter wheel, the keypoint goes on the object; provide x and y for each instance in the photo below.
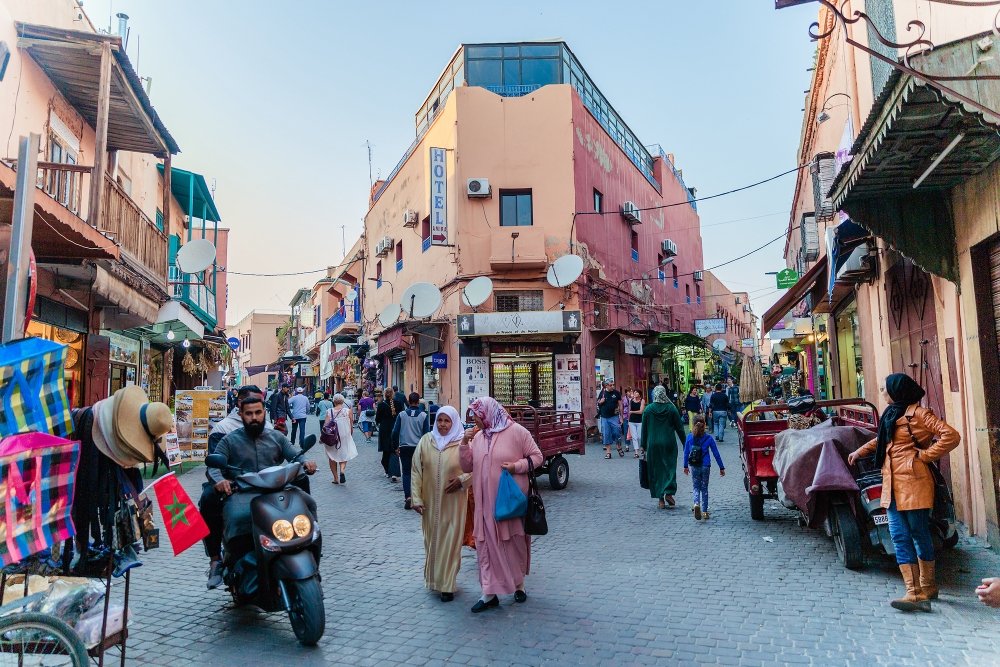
(307, 614)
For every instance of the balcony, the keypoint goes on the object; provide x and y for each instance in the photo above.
(309, 341)
(198, 297)
(526, 251)
(345, 322)
(135, 233)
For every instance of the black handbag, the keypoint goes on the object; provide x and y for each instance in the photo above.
(534, 517)
(643, 473)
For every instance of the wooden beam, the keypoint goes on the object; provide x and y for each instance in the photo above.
(167, 197)
(101, 143)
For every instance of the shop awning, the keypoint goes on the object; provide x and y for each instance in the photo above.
(193, 194)
(675, 338)
(175, 317)
(916, 144)
(125, 297)
(392, 339)
(794, 294)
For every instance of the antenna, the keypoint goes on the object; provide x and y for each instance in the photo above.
(565, 270)
(477, 291)
(371, 181)
(343, 234)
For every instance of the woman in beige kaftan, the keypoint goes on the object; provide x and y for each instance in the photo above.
(440, 496)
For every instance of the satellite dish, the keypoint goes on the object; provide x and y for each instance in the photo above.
(196, 256)
(421, 300)
(351, 296)
(389, 314)
(477, 291)
(565, 270)
(719, 345)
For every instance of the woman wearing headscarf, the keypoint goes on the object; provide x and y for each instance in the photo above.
(440, 496)
(503, 550)
(386, 409)
(910, 439)
(661, 430)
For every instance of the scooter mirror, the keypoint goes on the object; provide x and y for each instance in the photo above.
(216, 461)
(308, 443)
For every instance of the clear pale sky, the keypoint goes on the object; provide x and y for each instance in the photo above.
(274, 103)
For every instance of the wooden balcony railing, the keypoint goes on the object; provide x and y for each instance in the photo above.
(134, 231)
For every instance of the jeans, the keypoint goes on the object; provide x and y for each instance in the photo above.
(699, 480)
(406, 463)
(720, 419)
(909, 529)
(210, 506)
(300, 426)
(611, 430)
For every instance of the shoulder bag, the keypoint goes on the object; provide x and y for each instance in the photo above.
(534, 516)
(330, 433)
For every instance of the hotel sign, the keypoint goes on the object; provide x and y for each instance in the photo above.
(520, 323)
(439, 196)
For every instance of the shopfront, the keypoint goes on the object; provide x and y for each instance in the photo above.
(850, 380)
(125, 354)
(393, 347)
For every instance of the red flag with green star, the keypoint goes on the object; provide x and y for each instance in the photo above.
(181, 517)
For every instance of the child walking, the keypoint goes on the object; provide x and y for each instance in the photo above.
(698, 451)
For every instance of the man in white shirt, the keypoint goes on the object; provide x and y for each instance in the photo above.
(299, 407)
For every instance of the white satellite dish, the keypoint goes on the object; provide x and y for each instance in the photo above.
(477, 291)
(351, 296)
(389, 314)
(421, 300)
(719, 345)
(196, 256)
(565, 270)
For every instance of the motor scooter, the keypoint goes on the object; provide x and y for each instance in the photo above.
(272, 545)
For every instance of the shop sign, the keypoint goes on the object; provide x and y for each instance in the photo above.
(124, 350)
(787, 278)
(705, 328)
(475, 380)
(439, 360)
(233, 343)
(439, 196)
(746, 342)
(782, 334)
(633, 346)
(516, 324)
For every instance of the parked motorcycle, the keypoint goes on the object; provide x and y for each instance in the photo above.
(272, 545)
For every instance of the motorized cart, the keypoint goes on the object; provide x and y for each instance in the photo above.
(557, 433)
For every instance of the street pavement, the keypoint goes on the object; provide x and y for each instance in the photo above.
(616, 581)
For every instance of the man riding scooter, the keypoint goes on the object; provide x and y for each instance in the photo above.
(251, 448)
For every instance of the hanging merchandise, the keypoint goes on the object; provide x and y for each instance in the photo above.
(188, 365)
(32, 388)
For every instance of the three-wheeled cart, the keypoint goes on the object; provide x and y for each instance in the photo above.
(557, 433)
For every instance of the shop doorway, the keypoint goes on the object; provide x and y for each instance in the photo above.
(986, 277)
(850, 381)
(523, 378)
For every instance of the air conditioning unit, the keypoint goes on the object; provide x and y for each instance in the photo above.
(409, 218)
(669, 248)
(478, 188)
(631, 213)
(858, 266)
(698, 276)
(746, 308)
(384, 246)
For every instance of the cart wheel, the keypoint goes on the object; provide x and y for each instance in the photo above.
(846, 536)
(756, 507)
(35, 634)
(558, 473)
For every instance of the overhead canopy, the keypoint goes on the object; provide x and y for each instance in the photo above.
(174, 317)
(794, 294)
(72, 61)
(912, 125)
(192, 193)
(674, 338)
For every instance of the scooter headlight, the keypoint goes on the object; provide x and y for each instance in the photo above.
(282, 530)
(302, 525)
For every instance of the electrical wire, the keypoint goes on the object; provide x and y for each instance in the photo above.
(17, 94)
(292, 273)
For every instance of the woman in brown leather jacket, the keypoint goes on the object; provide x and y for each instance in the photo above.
(910, 438)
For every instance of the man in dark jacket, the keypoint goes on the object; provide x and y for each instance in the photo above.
(718, 408)
(279, 408)
(411, 425)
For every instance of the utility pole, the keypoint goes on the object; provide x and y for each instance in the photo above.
(16, 297)
(343, 234)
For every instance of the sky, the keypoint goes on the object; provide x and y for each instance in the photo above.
(276, 103)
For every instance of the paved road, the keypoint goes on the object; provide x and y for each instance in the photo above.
(615, 582)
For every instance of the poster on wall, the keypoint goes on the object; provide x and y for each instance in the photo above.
(195, 412)
(568, 392)
(475, 380)
(172, 449)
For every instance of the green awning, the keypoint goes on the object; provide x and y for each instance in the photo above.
(191, 192)
(676, 338)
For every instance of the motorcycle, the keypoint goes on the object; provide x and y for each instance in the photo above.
(272, 545)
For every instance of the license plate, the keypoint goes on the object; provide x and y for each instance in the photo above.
(881, 519)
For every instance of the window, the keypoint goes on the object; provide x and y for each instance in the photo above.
(399, 256)
(697, 292)
(159, 219)
(62, 185)
(513, 301)
(598, 201)
(635, 245)
(378, 274)
(425, 234)
(687, 292)
(676, 284)
(515, 208)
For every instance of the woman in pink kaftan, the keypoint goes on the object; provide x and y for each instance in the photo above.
(503, 550)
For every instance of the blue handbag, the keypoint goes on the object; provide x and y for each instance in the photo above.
(511, 501)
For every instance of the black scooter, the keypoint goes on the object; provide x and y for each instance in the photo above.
(272, 545)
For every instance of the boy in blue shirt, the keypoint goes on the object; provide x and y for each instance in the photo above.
(698, 451)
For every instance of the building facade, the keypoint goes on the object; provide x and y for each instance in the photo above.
(259, 348)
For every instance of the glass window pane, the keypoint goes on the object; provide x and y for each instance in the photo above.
(537, 50)
(484, 73)
(511, 52)
(524, 210)
(539, 72)
(511, 72)
(483, 52)
(508, 210)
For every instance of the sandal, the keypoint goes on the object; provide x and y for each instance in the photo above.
(636, 455)
(621, 452)
(607, 455)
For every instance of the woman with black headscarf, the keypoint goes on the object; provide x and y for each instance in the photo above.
(910, 439)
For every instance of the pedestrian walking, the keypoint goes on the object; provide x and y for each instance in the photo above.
(718, 406)
(636, 405)
(323, 405)
(366, 415)
(503, 549)
(411, 425)
(692, 406)
(386, 410)
(735, 407)
(608, 402)
(298, 407)
(661, 431)
(706, 398)
(441, 497)
(905, 449)
(698, 451)
(278, 404)
(339, 456)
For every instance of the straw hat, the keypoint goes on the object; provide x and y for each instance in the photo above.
(104, 436)
(138, 424)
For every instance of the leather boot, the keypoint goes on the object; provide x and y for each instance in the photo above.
(928, 585)
(914, 599)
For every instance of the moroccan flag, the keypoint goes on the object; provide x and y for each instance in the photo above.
(180, 516)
